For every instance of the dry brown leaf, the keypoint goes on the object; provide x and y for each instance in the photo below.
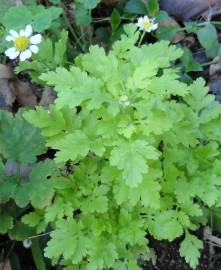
(6, 72)
(187, 9)
(24, 94)
(6, 95)
(48, 97)
(12, 88)
(215, 87)
(5, 265)
(190, 42)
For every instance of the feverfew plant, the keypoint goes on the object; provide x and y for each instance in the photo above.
(146, 24)
(143, 156)
(24, 43)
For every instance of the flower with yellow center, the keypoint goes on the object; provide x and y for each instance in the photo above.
(124, 100)
(24, 43)
(146, 24)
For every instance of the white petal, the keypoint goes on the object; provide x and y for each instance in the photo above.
(140, 20)
(10, 38)
(28, 30)
(12, 53)
(22, 33)
(140, 23)
(34, 48)
(146, 18)
(154, 26)
(13, 33)
(25, 55)
(36, 39)
(148, 30)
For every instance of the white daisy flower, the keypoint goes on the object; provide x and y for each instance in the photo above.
(24, 43)
(146, 24)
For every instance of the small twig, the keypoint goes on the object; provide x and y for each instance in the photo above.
(107, 19)
(8, 255)
(39, 235)
(209, 63)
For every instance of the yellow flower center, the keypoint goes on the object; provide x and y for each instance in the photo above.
(146, 24)
(124, 98)
(21, 43)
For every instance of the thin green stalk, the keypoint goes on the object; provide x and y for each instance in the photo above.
(212, 22)
(39, 235)
(37, 255)
(141, 38)
(208, 63)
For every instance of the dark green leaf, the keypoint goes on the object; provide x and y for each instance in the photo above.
(90, 4)
(42, 20)
(6, 223)
(167, 32)
(55, 1)
(38, 16)
(189, 63)
(21, 232)
(153, 7)
(60, 49)
(135, 7)
(7, 189)
(17, 18)
(82, 16)
(37, 255)
(19, 141)
(4, 6)
(115, 20)
(209, 40)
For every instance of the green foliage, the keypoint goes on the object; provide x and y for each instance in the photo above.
(83, 11)
(115, 19)
(136, 138)
(6, 223)
(209, 39)
(189, 63)
(55, 1)
(38, 16)
(136, 7)
(23, 183)
(190, 249)
(153, 7)
(5, 5)
(50, 56)
(19, 141)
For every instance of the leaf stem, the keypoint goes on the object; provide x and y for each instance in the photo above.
(141, 38)
(71, 28)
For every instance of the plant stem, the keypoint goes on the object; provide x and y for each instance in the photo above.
(141, 39)
(37, 255)
(212, 22)
(208, 63)
(39, 235)
(71, 28)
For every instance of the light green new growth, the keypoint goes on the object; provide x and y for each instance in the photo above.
(144, 152)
